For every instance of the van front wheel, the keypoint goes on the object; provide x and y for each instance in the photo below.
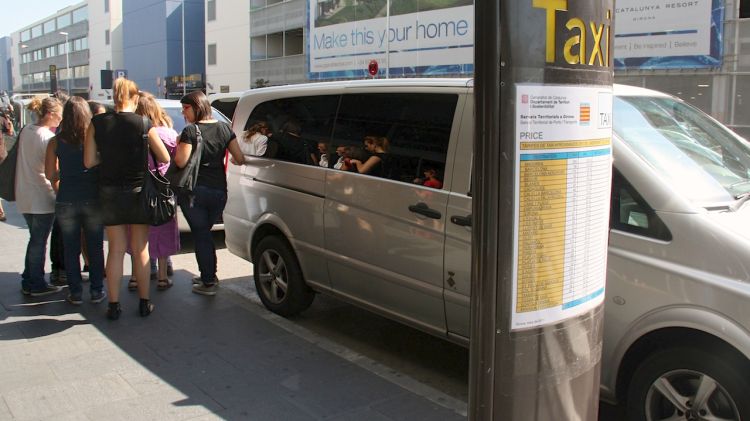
(278, 278)
(689, 383)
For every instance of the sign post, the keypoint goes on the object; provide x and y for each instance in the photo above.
(542, 171)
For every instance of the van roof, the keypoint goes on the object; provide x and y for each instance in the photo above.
(620, 90)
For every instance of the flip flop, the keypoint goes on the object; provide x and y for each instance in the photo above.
(132, 284)
(164, 284)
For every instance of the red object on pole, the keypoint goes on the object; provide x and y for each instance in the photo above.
(372, 68)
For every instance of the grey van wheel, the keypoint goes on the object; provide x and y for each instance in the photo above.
(689, 383)
(278, 278)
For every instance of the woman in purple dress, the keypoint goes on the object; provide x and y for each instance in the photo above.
(164, 240)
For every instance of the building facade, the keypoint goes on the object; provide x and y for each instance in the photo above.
(105, 45)
(227, 37)
(156, 33)
(53, 51)
(278, 42)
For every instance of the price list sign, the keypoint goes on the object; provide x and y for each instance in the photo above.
(563, 174)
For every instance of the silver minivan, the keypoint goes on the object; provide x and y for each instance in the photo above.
(677, 307)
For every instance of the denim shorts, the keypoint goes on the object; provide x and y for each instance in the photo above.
(121, 205)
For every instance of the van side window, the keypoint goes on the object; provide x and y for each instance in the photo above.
(630, 213)
(312, 117)
(411, 132)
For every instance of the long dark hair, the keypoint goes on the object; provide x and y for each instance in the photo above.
(76, 118)
(199, 102)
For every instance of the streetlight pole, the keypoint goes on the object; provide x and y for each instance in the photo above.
(23, 47)
(67, 60)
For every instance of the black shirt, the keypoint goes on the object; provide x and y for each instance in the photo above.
(216, 138)
(119, 140)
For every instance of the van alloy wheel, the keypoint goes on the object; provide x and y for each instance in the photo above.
(273, 276)
(689, 395)
(278, 277)
(695, 382)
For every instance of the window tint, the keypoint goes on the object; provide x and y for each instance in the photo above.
(314, 115)
(416, 129)
(632, 214)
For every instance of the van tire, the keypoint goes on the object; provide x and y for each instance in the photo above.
(683, 368)
(278, 278)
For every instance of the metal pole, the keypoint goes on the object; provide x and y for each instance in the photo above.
(184, 87)
(67, 61)
(539, 70)
(388, 38)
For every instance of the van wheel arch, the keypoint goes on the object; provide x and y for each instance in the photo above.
(669, 338)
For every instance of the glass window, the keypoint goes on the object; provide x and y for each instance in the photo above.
(50, 51)
(62, 74)
(36, 31)
(63, 20)
(275, 45)
(258, 48)
(293, 44)
(704, 160)
(26, 35)
(81, 72)
(630, 213)
(49, 26)
(412, 130)
(106, 6)
(211, 53)
(211, 10)
(61, 48)
(313, 116)
(80, 15)
(106, 37)
(109, 65)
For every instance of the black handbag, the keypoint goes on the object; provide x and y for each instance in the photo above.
(183, 179)
(157, 197)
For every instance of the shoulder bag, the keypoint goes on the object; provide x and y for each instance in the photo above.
(183, 179)
(157, 197)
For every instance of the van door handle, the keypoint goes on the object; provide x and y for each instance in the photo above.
(464, 221)
(422, 209)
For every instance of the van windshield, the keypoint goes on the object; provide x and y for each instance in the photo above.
(702, 159)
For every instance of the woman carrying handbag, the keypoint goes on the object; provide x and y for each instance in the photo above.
(203, 206)
(115, 140)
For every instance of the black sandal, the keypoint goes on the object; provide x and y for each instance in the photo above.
(145, 307)
(132, 284)
(164, 284)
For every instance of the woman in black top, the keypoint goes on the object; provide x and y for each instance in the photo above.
(115, 140)
(205, 204)
(379, 163)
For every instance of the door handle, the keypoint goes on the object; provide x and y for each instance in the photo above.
(464, 221)
(422, 209)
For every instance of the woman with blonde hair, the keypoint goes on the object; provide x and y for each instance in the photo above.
(115, 140)
(379, 163)
(35, 197)
(164, 240)
(77, 204)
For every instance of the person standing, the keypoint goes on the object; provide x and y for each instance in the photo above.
(206, 202)
(58, 276)
(35, 198)
(115, 140)
(164, 240)
(77, 204)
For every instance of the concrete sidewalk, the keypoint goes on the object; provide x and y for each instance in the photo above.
(195, 357)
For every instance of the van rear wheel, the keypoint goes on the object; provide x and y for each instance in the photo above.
(278, 278)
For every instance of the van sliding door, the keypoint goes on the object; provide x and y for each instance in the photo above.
(384, 229)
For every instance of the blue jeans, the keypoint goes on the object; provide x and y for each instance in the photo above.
(40, 225)
(201, 212)
(72, 217)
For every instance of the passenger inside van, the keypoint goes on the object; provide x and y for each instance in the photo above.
(379, 163)
(290, 146)
(255, 140)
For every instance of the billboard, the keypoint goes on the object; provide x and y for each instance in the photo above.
(668, 34)
(405, 37)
